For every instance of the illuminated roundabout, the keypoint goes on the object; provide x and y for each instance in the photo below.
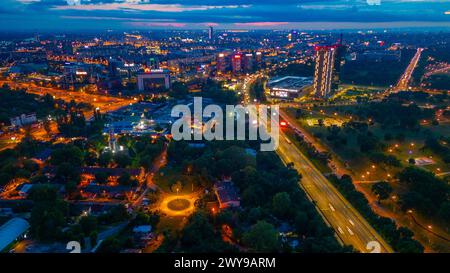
(178, 205)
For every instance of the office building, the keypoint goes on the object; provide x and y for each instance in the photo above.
(323, 75)
(236, 63)
(210, 33)
(153, 80)
(248, 62)
(289, 87)
(24, 119)
(221, 63)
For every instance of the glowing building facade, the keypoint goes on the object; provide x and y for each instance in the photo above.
(210, 33)
(236, 63)
(153, 79)
(323, 75)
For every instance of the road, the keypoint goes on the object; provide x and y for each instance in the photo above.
(148, 184)
(342, 217)
(337, 165)
(103, 102)
(421, 234)
(10, 140)
(403, 83)
(350, 227)
(443, 68)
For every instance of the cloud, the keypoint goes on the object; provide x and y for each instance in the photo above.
(137, 6)
(28, 1)
(261, 24)
(374, 2)
(100, 14)
(156, 24)
(104, 18)
(325, 7)
(211, 24)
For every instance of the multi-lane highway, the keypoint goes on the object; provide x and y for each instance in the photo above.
(403, 83)
(104, 102)
(350, 227)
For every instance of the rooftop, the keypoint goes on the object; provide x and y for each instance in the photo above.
(226, 191)
(11, 230)
(142, 229)
(290, 83)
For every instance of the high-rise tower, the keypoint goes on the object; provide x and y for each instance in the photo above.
(210, 33)
(323, 75)
(236, 63)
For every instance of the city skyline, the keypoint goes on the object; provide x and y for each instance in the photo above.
(234, 14)
(235, 127)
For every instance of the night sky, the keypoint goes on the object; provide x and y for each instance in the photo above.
(241, 14)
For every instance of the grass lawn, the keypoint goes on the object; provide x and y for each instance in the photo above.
(168, 176)
(350, 93)
(359, 162)
(173, 224)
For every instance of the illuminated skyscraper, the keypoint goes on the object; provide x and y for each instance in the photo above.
(236, 63)
(221, 63)
(248, 62)
(153, 80)
(323, 75)
(258, 59)
(210, 33)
